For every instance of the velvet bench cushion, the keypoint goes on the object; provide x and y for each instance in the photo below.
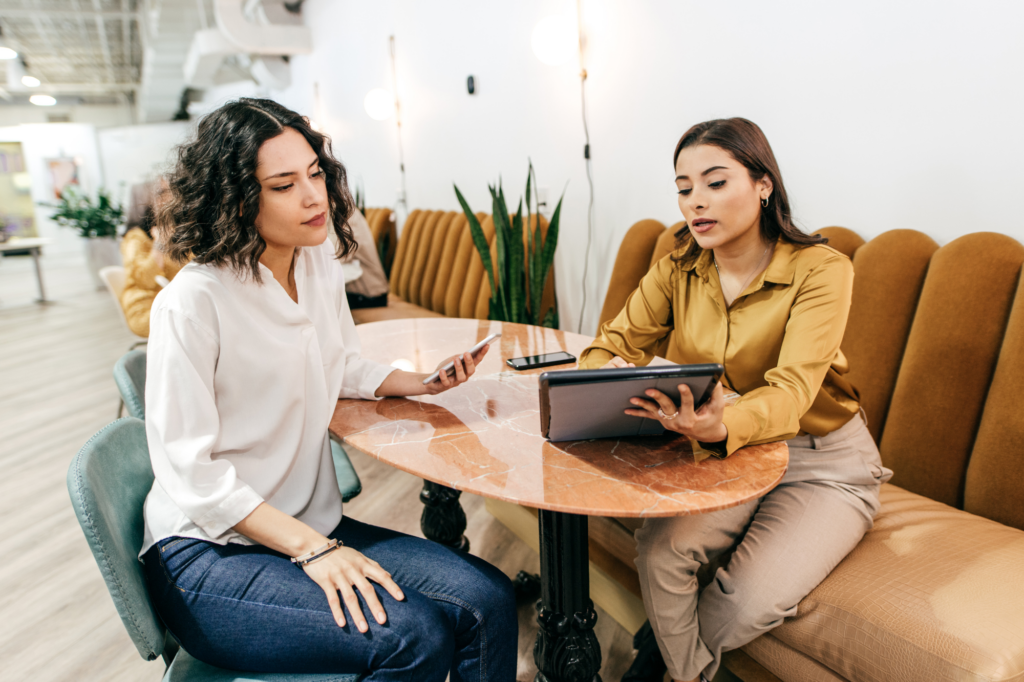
(931, 593)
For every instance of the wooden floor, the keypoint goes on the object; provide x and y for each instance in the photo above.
(57, 621)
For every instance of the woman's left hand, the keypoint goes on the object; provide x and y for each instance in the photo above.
(704, 424)
(465, 367)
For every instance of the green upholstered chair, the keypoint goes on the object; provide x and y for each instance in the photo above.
(130, 377)
(108, 481)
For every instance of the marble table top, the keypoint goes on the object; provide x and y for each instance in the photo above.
(484, 437)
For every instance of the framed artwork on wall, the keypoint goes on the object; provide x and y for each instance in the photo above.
(17, 213)
(63, 173)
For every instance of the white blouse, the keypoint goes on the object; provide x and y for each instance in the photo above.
(241, 383)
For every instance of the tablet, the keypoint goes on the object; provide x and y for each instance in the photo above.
(582, 404)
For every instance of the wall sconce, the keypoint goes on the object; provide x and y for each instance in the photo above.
(379, 104)
(555, 40)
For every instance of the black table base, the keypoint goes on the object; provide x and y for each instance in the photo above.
(567, 649)
(443, 519)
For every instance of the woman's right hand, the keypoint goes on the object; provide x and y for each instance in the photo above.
(617, 363)
(345, 568)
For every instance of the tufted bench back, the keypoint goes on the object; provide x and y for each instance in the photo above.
(438, 268)
(935, 341)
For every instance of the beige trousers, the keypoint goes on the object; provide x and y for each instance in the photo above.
(782, 546)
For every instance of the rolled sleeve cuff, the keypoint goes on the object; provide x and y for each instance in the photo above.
(372, 381)
(741, 428)
(230, 512)
(594, 358)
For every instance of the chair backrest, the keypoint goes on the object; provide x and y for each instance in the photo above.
(130, 377)
(108, 481)
(950, 358)
(437, 265)
(113, 278)
(385, 234)
(842, 239)
(631, 264)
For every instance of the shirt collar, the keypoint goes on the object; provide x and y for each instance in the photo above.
(780, 270)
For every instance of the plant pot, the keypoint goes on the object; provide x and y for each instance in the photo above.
(99, 253)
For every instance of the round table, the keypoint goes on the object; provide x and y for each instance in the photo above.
(484, 438)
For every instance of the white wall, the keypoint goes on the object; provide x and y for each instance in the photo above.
(100, 116)
(134, 154)
(42, 141)
(883, 115)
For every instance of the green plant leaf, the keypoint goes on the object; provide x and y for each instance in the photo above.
(516, 266)
(531, 248)
(499, 213)
(479, 240)
(550, 242)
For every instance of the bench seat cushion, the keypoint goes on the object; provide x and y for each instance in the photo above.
(931, 593)
(396, 309)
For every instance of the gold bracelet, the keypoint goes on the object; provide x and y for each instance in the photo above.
(318, 553)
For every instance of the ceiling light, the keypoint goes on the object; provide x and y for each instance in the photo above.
(30, 81)
(8, 53)
(555, 40)
(379, 104)
(42, 100)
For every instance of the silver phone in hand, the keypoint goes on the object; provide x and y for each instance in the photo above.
(449, 368)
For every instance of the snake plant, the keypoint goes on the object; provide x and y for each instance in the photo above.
(518, 278)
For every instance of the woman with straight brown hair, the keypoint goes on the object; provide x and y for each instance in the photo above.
(747, 289)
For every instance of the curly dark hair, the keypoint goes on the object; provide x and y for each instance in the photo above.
(213, 196)
(746, 143)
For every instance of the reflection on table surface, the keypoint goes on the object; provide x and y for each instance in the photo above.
(484, 437)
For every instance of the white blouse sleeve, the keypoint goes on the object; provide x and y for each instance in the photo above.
(362, 377)
(182, 425)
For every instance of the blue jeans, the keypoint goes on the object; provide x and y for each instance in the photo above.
(249, 608)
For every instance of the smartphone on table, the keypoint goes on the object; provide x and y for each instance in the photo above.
(545, 360)
(449, 368)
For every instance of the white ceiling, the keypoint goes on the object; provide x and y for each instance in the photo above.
(104, 51)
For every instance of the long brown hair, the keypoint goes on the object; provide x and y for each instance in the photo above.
(215, 174)
(746, 143)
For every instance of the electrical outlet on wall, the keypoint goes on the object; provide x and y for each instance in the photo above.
(542, 200)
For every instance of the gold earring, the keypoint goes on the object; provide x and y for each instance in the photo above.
(764, 202)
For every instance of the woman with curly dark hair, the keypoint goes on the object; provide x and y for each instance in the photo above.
(247, 555)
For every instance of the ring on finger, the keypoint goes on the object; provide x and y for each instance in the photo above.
(662, 414)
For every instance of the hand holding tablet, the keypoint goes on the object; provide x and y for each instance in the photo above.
(598, 403)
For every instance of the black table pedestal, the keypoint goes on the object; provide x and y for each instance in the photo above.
(567, 649)
(443, 519)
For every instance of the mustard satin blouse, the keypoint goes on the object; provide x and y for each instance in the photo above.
(779, 340)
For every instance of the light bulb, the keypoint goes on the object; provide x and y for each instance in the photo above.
(379, 104)
(42, 100)
(8, 53)
(555, 40)
(30, 81)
